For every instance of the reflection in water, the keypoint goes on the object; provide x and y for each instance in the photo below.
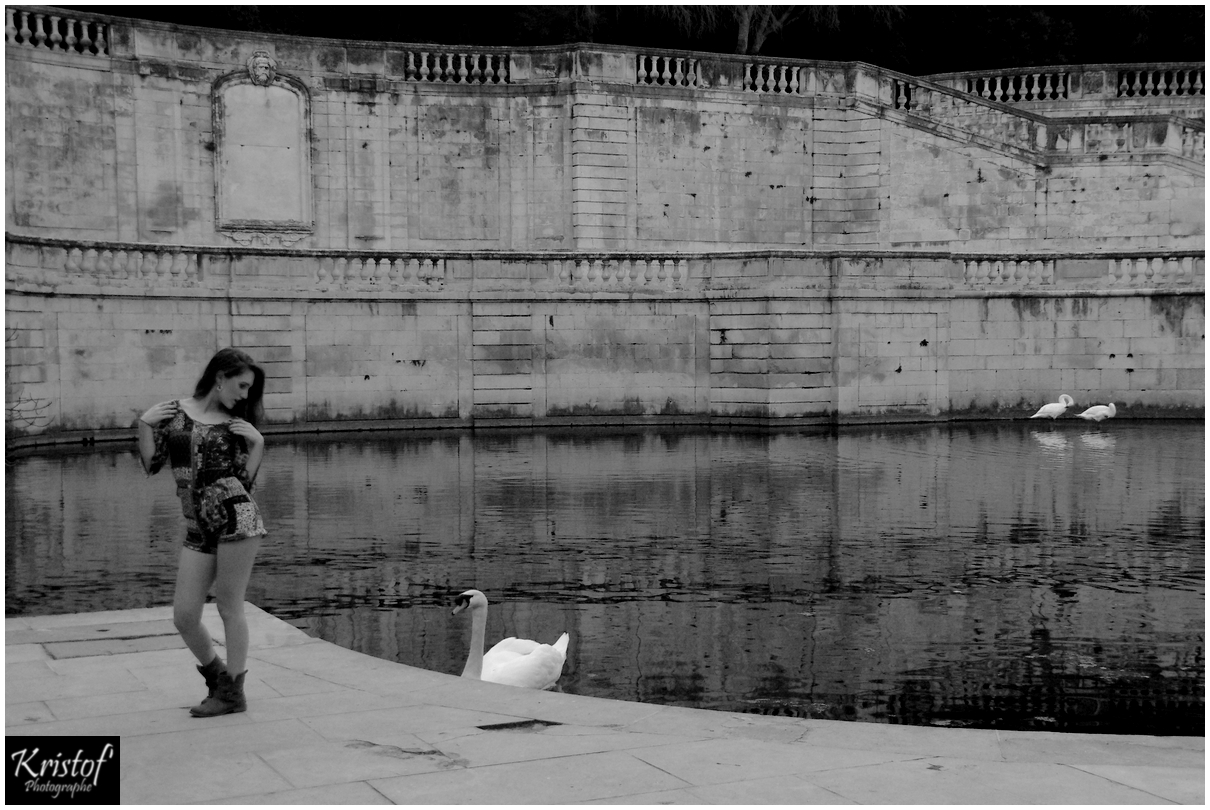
(1103, 442)
(1053, 445)
(970, 575)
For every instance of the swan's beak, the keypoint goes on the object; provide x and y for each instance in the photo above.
(460, 604)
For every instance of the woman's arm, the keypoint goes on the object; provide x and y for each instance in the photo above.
(254, 442)
(155, 416)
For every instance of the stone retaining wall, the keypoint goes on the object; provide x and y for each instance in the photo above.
(96, 335)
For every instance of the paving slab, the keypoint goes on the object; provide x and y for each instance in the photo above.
(327, 725)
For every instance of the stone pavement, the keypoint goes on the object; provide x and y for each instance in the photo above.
(326, 725)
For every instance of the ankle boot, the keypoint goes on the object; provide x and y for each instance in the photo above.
(228, 697)
(210, 673)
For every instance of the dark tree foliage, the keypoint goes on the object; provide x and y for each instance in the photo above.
(917, 40)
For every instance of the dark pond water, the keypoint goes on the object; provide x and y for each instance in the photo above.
(1005, 575)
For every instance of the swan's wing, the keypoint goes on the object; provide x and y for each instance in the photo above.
(1052, 410)
(538, 667)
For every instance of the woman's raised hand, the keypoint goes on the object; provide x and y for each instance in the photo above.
(241, 428)
(157, 414)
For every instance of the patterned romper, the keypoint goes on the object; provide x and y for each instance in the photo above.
(209, 464)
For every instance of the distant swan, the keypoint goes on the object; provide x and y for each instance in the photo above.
(1055, 409)
(1098, 412)
(513, 661)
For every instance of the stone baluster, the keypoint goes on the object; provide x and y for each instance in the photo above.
(338, 269)
(796, 81)
(1187, 269)
(56, 38)
(412, 275)
(10, 26)
(641, 69)
(409, 69)
(1171, 270)
(353, 269)
(39, 34)
(681, 275)
(666, 72)
(24, 33)
(622, 272)
(120, 263)
(662, 272)
(323, 270)
(159, 266)
(476, 71)
(1149, 86)
(136, 265)
(89, 264)
(72, 264)
(1124, 269)
(105, 263)
(71, 40)
(85, 42)
(985, 272)
(1140, 270)
(395, 270)
(749, 82)
(678, 74)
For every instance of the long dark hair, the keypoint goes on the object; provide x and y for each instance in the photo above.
(232, 363)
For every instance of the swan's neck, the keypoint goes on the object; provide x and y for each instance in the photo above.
(474, 658)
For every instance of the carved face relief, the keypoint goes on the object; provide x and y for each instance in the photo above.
(262, 68)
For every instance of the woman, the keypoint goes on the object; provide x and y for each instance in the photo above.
(212, 444)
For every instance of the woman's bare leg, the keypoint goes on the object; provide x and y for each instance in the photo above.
(194, 576)
(233, 572)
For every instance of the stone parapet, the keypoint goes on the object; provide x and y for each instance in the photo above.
(50, 265)
(1176, 88)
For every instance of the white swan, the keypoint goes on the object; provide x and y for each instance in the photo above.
(1098, 412)
(513, 661)
(1055, 409)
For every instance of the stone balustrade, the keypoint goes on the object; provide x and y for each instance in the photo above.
(1104, 136)
(42, 263)
(1093, 87)
(1161, 80)
(1001, 272)
(456, 67)
(666, 71)
(1149, 271)
(55, 31)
